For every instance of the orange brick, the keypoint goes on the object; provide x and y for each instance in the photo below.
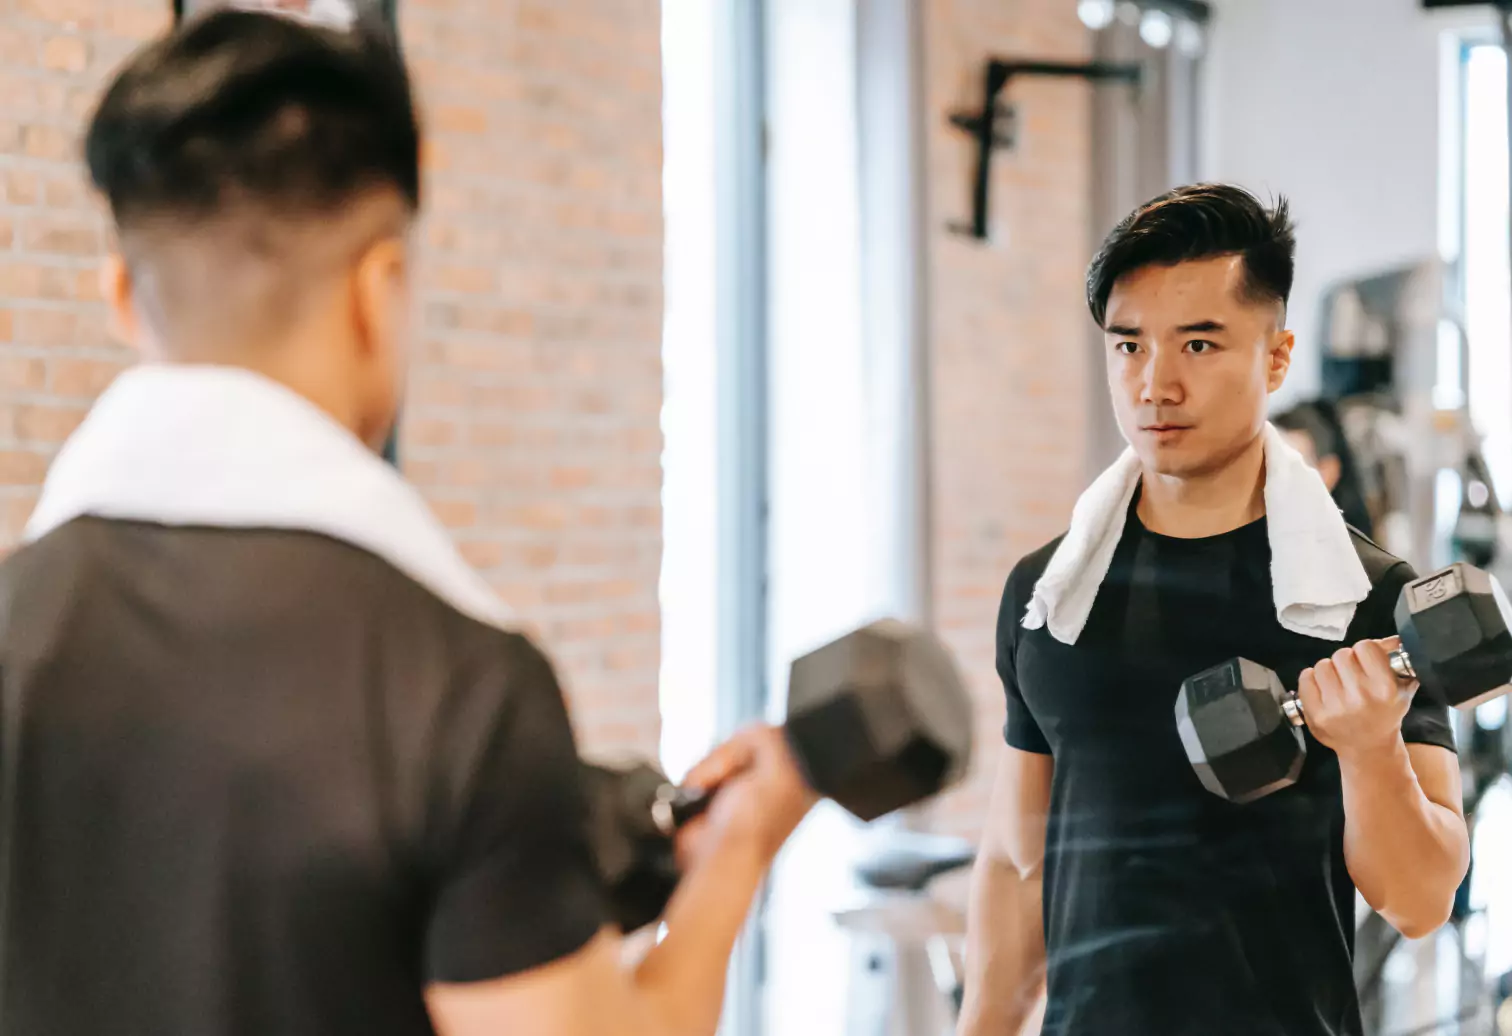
(17, 511)
(458, 119)
(86, 288)
(21, 468)
(47, 424)
(65, 54)
(137, 21)
(456, 514)
(430, 432)
(44, 141)
(49, 327)
(23, 373)
(22, 187)
(74, 236)
(482, 554)
(72, 14)
(82, 378)
(66, 192)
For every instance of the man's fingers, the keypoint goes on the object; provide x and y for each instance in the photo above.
(724, 762)
(1375, 662)
(1346, 664)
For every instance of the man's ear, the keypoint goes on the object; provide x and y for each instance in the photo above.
(380, 291)
(1279, 359)
(119, 292)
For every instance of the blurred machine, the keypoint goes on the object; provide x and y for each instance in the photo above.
(1432, 501)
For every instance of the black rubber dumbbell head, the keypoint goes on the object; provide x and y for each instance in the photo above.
(879, 719)
(1233, 725)
(1454, 627)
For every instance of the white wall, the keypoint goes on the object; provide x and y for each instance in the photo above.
(1334, 103)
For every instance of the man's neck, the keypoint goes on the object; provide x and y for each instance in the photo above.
(1209, 504)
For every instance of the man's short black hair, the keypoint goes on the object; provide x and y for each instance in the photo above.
(1202, 221)
(242, 109)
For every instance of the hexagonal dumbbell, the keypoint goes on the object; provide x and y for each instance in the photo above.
(1242, 730)
(878, 720)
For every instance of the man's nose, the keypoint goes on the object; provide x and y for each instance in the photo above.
(1161, 384)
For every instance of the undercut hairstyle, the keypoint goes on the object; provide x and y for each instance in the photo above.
(250, 108)
(1202, 221)
(245, 138)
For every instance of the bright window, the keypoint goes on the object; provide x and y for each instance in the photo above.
(1487, 275)
(689, 592)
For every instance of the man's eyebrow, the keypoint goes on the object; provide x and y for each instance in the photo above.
(1202, 326)
(1123, 331)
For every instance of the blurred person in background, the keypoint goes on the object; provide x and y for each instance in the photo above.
(275, 760)
(1314, 429)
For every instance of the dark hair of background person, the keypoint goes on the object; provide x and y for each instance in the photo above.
(1320, 421)
(242, 109)
(1201, 221)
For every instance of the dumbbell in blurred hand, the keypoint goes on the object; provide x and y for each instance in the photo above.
(1242, 730)
(877, 720)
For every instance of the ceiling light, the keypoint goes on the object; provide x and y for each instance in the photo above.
(1096, 14)
(1189, 39)
(1156, 28)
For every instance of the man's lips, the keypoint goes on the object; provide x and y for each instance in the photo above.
(1165, 428)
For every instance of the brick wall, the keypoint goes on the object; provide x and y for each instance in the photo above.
(1008, 331)
(534, 420)
(55, 356)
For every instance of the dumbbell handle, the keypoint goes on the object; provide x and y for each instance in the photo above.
(1401, 664)
(674, 807)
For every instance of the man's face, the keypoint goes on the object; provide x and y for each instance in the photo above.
(1192, 363)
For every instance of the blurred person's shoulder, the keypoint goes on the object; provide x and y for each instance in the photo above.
(297, 589)
(1019, 586)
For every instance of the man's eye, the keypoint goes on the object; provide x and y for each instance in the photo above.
(1200, 347)
(1126, 348)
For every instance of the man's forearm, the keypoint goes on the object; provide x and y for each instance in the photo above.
(1406, 853)
(1005, 950)
(684, 975)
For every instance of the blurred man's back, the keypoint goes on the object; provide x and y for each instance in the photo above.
(220, 810)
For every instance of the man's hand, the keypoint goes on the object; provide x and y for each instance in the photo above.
(1354, 702)
(760, 796)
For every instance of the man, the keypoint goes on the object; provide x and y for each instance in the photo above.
(1313, 429)
(1147, 905)
(273, 762)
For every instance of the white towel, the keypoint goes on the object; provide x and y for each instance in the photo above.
(225, 447)
(1317, 576)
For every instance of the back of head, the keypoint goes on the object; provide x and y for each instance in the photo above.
(245, 149)
(1202, 221)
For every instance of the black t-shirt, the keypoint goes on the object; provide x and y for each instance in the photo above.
(263, 783)
(1168, 910)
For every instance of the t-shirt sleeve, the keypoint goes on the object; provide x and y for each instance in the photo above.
(1427, 720)
(516, 885)
(1020, 729)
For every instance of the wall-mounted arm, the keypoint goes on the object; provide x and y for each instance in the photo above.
(986, 126)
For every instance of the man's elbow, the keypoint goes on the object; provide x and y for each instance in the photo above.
(1430, 908)
(1421, 923)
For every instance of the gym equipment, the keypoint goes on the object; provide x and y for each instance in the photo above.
(1242, 729)
(905, 944)
(877, 720)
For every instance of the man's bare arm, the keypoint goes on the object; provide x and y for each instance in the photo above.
(679, 987)
(1405, 839)
(1005, 941)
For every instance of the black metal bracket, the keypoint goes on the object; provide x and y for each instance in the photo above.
(988, 124)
